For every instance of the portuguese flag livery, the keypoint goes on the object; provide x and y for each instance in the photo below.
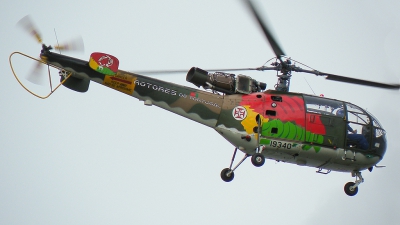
(104, 63)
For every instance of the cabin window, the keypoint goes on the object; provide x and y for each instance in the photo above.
(323, 106)
(368, 126)
(274, 130)
(358, 120)
(270, 113)
(356, 115)
(378, 142)
(359, 124)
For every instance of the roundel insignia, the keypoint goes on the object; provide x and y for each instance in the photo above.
(104, 63)
(239, 113)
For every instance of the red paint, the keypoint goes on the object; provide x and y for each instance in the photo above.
(315, 125)
(256, 104)
(290, 109)
(105, 60)
(121, 80)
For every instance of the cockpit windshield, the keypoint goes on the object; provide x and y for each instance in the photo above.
(364, 124)
(378, 136)
(344, 121)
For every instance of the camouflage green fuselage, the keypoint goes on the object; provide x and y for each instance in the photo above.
(286, 130)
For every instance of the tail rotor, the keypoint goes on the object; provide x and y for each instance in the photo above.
(36, 75)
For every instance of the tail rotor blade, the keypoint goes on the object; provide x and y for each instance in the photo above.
(27, 24)
(36, 76)
(73, 45)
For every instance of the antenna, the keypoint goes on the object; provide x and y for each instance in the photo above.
(55, 33)
(309, 85)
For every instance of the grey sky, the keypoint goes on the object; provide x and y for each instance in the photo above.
(104, 158)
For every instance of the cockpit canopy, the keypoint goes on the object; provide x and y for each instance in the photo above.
(360, 122)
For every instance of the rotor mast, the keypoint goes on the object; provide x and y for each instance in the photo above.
(284, 78)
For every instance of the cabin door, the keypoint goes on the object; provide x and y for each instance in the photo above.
(323, 124)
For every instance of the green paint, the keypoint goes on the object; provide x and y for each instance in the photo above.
(105, 70)
(265, 141)
(308, 147)
(290, 131)
(286, 130)
(206, 112)
(299, 133)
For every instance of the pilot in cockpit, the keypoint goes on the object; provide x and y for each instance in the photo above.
(359, 139)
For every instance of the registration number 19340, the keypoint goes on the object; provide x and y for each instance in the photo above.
(278, 144)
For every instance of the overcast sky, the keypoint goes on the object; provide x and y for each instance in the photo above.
(103, 157)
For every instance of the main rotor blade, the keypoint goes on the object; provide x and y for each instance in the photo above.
(185, 71)
(360, 81)
(350, 80)
(274, 45)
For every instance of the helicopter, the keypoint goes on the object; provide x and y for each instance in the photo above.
(264, 124)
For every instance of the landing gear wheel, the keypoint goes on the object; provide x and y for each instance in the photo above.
(258, 159)
(227, 175)
(349, 191)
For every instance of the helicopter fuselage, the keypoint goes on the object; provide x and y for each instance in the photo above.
(288, 127)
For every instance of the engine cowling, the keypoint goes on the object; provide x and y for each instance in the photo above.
(224, 82)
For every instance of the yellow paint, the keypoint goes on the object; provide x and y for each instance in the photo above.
(250, 121)
(93, 64)
(122, 82)
(44, 58)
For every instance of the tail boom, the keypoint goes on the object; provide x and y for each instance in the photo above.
(197, 105)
